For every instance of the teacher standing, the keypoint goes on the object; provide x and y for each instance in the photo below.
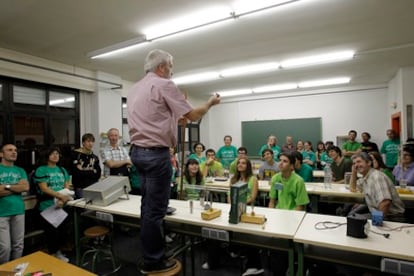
(155, 105)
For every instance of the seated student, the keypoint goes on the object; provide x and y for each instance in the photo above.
(287, 191)
(405, 170)
(198, 148)
(193, 176)
(380, 193)
(303, 170)
(308, 154)
(211, 167)
(378, 164)
(241, 152)
(272, 145)
(321, 155)
(340, 165)
(269, 166)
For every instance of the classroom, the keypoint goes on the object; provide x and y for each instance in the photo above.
(62, 75)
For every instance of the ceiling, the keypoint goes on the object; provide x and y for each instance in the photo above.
(381, 32)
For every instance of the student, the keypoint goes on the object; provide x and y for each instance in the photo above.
(244, 173)
(287, 191)
(367, 145)
(115, 157)
(379, 191)
(299, 146)
(269, 167)
(192, 176)
(405, 170)
(339, 165)
(211, 167)
(391, 149)
(289, 146)
(271, 144)
(13, 181)
(85, 169)
(308, 154)
(241, 152)
(322, 157)
(227, 153)
(198, 155)
(378, 164)
(303, 170)
(351, 146)
(51, 180)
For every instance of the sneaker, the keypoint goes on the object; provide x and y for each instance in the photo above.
(162, 266)
(234, 255)
(205, 266)
(253, 271)
(61, 257)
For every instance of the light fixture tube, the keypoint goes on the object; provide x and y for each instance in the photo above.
(324, 82)
(250, 69)
(276, 87)
(201, 77)
(231, 93)
(317, 59)
(118, 48)
(245, 7)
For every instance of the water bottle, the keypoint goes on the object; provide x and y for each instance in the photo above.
(327, 180)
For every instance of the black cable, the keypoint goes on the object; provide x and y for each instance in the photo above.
(325, 225)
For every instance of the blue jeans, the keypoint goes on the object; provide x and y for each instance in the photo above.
(155, 170)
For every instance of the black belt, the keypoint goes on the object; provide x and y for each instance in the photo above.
(150, 148)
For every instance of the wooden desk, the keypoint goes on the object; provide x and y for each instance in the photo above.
(335, 246)
(277, 232)
(48, 264)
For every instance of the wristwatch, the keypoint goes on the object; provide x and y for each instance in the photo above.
(7, 187)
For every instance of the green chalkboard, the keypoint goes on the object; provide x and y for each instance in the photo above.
(255, 133)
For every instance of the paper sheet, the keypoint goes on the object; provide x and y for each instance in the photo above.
(54, 216)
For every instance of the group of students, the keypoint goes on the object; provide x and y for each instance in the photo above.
(51, 182)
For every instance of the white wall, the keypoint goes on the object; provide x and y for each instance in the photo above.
(341, 111)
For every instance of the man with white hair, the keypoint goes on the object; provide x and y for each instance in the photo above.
(155, 106)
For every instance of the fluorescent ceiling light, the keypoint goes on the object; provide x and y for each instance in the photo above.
(230, 93)
(276, 87)
(200, 19)
(324, 82)
(118, 48)
(202, 77)
(250, 69)
(188, 22)
(317, 59)
(248, 6)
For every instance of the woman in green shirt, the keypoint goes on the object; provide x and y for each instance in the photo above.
(192, 176)
(244, 173)
(378, 164)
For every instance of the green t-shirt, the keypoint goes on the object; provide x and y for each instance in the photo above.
(214, 170)
(289, 192)
(195, 156)
(276, 151)
(351, 146)
(55, 177)
(306, 172)
(391, 149)
(192, 192)
(12, 204)
(227, 154)
(250, 184)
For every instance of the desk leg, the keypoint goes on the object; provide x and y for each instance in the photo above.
(301, 259)
(291, 256)
(77, 237)
(315, 201)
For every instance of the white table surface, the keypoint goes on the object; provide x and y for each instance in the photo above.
(279, 224)
(399, 245)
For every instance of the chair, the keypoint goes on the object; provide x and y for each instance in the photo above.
(100, 242)
(173, 272)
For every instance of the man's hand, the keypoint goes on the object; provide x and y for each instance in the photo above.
(215, 99)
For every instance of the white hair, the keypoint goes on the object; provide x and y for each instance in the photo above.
(155, 58)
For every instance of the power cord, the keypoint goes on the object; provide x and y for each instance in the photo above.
(325, 225)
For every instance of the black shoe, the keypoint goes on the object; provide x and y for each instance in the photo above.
(162, 266)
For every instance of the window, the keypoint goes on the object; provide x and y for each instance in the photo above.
(28, 95)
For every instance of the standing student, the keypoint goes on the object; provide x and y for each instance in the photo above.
(227, 153)
(289, 146)
(271, 144)
(391, 149)
(115, 157)
(85, 169)
(13, 181)
(351, 146)
(52, 178)
(367, 145)
(155, 96)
